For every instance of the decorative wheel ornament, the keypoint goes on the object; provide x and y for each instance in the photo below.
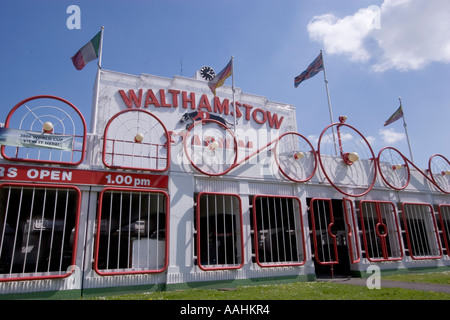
(44, 129)
(211, 147)
(394, 169)
(295, 157)
(347, 159)
(136, 139)
(439, 169)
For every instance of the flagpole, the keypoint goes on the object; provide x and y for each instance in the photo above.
(234, 102)
(329, 101)
(97, 85)
(406, 130)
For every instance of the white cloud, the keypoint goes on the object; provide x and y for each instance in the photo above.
(390, 136)
(407, 34)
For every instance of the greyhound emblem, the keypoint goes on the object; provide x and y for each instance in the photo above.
(202, 115)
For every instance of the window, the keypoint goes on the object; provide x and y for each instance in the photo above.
(38, 230)
(380, 231)
(277, 231)
(132, 231)
(444, 217)
(421, 231)
(324, 232)
(219, 242)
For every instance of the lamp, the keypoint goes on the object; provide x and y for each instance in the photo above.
(298, 155)
(213, 145)
(47, 127)
(138, 138)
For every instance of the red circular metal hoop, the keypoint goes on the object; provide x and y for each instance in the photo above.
(404, 165)
(166, 134)
(443, 172)
(223, 127)
(7, 125)
(278, 161)
(345, 160)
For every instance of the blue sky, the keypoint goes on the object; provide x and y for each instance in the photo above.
(375, 51)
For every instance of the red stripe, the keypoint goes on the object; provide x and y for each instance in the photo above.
(78, 60)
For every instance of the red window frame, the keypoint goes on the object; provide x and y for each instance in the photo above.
(120, 271)
(300, 247)
(381, 231)
(34, 186)
(444, 210)
(211, 267)
(418, 228)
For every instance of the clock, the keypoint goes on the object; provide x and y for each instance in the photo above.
(207, 73)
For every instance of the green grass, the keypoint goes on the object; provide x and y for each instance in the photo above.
(303, 291)
(435, 277)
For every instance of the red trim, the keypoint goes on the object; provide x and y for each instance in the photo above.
(198, 232)
(75, 240)
(255, 232)
(8, 118)
(353, 232)
(97, 235)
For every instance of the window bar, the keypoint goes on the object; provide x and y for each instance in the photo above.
(109, 228)
(281, 217)
(64, 228)
(29, 231)
(297, 228)
(40, 231)
(262, 227)
(373, 236)
(445, 225)
(17, 229)
(277, 241)
(128, 265)
(270, 228)
(288, 216)
(157, 225)
(120, 230)
(4, 223)
(418, 241)
(224, 229)
(419, 225)
(53, 233)
(216, 227)
(232, 229)
(326, 231)
(148, 228)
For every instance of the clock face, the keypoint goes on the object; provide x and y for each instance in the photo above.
(207, 73)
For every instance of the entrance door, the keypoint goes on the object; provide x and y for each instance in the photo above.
(330, 237)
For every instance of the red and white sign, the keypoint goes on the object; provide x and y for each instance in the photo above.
(83, 177)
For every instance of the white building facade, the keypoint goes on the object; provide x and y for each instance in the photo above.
(175, 187)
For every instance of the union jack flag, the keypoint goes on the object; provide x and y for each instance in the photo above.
(314, 68)
(395, 116)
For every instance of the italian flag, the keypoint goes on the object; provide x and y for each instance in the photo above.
(87, 53)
